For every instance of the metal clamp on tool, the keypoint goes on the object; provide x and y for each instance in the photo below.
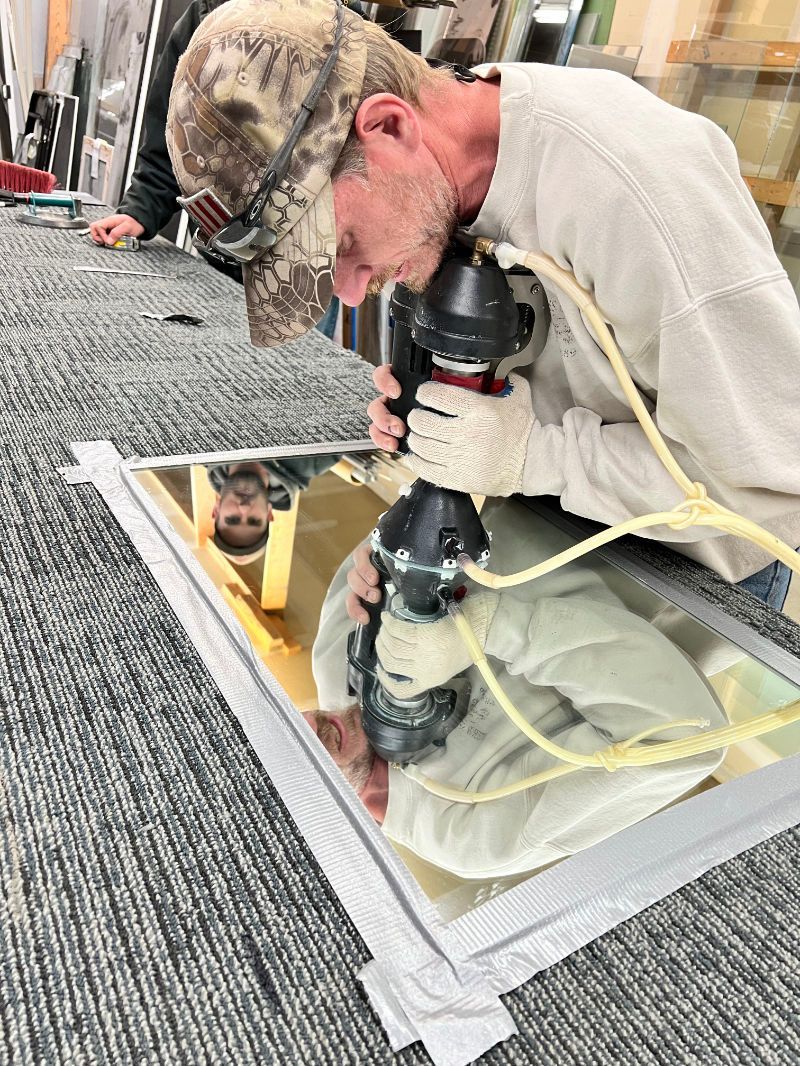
(64, 201)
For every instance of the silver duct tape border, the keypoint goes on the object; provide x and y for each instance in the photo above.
(540, 922)
(429, 980)
(440, 993)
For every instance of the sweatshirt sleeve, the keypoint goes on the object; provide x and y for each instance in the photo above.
(621, 677)
(619, 674)
(150, 197)
(722, 417)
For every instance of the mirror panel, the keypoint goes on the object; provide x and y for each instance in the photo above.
(588, 656)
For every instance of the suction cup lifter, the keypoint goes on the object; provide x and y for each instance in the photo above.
(65, 211)
(457, 332)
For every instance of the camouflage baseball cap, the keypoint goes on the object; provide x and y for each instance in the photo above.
(237, 90)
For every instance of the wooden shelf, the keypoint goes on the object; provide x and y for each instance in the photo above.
(785, 54)
(781, 193)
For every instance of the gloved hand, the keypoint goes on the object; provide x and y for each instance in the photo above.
(481, 446)
(430, 653)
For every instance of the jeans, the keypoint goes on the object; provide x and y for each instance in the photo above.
(771, 585)
(327, 324)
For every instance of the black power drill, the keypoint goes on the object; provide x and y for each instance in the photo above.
(458, 331)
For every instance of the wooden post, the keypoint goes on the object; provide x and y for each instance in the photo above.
(265, 637)
(58, 22)
(203, 500)
(278, 560)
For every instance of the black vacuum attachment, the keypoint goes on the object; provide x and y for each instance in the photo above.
(456, 332)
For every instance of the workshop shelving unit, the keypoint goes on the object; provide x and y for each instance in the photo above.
(752, 90)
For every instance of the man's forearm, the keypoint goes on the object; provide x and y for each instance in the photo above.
(608, 473)
(617, 671)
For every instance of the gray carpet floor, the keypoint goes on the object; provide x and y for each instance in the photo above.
(81, 363)
(157, 904)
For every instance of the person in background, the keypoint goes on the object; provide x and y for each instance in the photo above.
(149, 201)
(242, 511)
(247, 495)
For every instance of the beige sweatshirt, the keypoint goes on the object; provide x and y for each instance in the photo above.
(644, 203)
(586, 672)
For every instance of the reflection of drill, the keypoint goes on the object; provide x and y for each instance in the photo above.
(457, 332)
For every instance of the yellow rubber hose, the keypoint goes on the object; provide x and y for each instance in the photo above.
(629, 752)
(696, 509)
(457, 795)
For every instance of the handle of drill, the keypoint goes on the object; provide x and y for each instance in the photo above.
(365, 635)
(411, 365)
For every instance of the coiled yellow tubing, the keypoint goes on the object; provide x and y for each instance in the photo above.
(696, 509)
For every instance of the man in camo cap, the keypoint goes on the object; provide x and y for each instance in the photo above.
(237, 93)
(642, 201)
(238, 89)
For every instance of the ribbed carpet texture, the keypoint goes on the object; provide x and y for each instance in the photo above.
(157, 905)
(81, 363)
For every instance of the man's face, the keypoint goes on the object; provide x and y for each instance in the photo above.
(390, 227)
(346, 742)
(243, 510)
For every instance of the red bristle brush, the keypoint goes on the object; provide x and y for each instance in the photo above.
(19, 179)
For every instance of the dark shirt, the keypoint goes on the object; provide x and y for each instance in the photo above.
(150, 198)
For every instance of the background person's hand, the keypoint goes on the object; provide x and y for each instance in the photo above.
(363, 580)
(427, 654)
(386, 428)
(110, 229)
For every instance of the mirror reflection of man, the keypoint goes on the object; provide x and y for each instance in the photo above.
(582, 668)
(249, 493)
(242, 511)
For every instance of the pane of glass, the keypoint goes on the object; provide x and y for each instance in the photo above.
(737, 65)
(588, 657)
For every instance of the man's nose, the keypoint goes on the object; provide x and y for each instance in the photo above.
(350, 284)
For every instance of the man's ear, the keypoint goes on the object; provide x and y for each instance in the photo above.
(386, 125)
(215, 512)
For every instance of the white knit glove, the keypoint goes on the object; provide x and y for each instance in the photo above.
(481, 446)
(430, 653)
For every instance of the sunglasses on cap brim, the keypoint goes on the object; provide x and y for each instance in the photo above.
(244, 238)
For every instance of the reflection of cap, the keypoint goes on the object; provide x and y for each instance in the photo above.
(244, 553)
(237, 91)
